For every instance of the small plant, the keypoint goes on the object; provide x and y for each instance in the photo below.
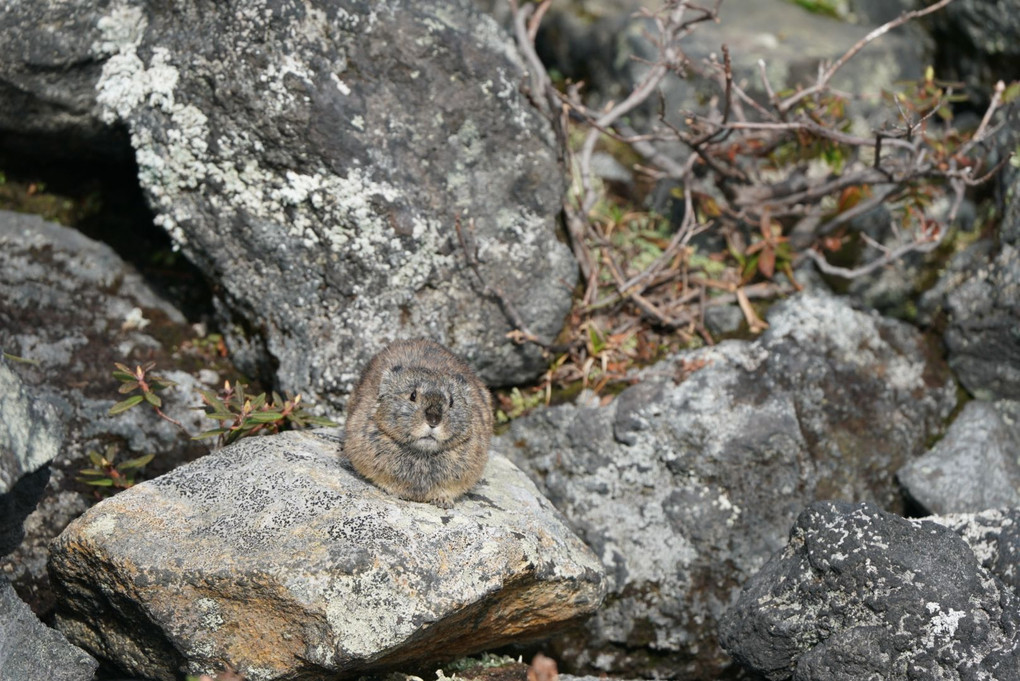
(108, 475)
(148, 384)
(242, 414)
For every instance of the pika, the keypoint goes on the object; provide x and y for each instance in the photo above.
(419, 423)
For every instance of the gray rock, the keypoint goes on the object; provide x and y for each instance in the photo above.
(31, 432)
(30, 650)
(994, 537)
(30, 437)
(979, 296)
(272, 556)
(878, 12)
(978, 43)
(983, 336)
(859, 593)
(975, 467)
(72, 307)
(609, 50)
(687, 482)
(313, 161)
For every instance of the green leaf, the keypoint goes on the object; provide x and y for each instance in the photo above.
(153, 399)
(128, 386)
(125, 405)
(91, 471)
(15, 358)
(97, 459)
(1011, 92)
(258, 401)
(598, 344)
(264, 417)
(210, 433)
(160, 383)
(215, 402)
(123, 376)
(135, 463)
(124, 369)
(102, 482)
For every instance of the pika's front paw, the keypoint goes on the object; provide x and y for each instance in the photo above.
(443, 502)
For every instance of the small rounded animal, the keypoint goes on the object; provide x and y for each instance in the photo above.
(419, 423)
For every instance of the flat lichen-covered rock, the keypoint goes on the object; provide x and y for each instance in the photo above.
(272, 556)
(312, 159)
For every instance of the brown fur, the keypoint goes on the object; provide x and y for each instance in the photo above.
(419, 423)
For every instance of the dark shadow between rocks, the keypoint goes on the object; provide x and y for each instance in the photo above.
(101, 180)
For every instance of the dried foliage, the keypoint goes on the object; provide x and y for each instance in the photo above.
(781, 179)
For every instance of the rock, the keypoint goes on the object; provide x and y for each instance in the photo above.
(859, 593)
(71, 307)
(30, 650)
(979, 296)
(272, 556)
(607, 48)
(30, 430)
(314, 163)
(30, 437)
(994, 536)
(878, 12)
(687, 482)
(975, 467)
(978, 43)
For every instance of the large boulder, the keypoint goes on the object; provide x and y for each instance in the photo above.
(688, 481)
(975, 467)
(272, 556)
(859, 593)
(314, 161)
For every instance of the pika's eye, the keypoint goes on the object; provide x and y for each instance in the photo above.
(414, 395)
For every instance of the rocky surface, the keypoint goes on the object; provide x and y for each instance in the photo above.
(71, 307)
(979, 296)
(286, 151)
(30, 650)
(30, 437)
(272, 556)
(859, 593)
(978, 43)
(994, 536)
(975, 467)
(688, 481)
(607, 48)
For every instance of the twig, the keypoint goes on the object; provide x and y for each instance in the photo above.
(823, 80)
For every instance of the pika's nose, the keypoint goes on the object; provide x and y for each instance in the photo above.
(434, 403)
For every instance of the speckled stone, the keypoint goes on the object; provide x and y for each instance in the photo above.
(274, 557)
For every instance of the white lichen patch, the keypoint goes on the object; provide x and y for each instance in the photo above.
(100, 527)
(313, 207)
